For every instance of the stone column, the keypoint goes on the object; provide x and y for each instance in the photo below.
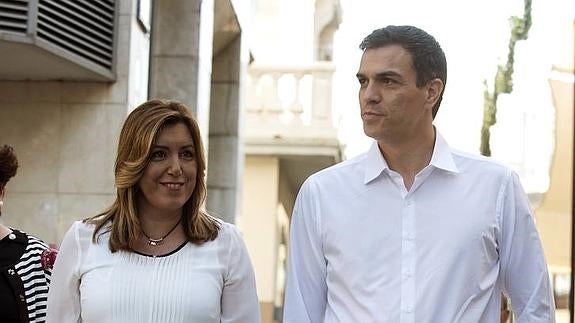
(180, 62)
(225, 155)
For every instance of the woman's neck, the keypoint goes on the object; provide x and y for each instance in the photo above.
(157, 223)
(4, 231)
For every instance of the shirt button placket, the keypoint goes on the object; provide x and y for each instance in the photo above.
(408, 262)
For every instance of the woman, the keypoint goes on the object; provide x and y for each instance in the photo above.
(25, 262)
(154, 255)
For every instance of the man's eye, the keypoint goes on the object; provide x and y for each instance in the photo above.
(157, 155)
(362, 82)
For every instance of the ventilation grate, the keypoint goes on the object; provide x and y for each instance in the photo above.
(85, 28)
(13, 16)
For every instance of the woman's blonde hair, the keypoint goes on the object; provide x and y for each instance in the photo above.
(139, 133)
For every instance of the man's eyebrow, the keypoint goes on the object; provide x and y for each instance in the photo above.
(381, 75)
(387, 74)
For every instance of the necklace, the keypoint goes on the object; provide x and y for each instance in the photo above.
(154, 242)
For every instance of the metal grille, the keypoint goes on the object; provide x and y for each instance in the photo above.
(13, 16)
(85, 28)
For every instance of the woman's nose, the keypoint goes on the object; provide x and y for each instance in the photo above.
(175, 167)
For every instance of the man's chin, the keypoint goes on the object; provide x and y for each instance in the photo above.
(372, 131)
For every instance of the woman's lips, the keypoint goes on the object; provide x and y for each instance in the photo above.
(173, 186)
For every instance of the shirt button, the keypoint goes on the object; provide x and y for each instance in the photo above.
(409, 309)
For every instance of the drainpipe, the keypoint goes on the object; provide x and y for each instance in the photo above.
(571, 308)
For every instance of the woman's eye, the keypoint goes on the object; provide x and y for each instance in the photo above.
(157, 155)
(187, 154)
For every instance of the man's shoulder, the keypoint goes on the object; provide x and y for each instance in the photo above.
(336, 180)
(466, 161)
(347, 168)
(341, 176)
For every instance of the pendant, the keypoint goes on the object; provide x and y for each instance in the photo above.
(155, 242)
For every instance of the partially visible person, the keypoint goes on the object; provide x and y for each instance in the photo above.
(25, 261)
(155, 255)
(412, 230)
(505, 312)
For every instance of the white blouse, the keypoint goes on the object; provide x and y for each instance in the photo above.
(213, 282)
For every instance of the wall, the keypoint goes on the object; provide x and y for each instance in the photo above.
(554, 214)
(65, 135)
(259, 225)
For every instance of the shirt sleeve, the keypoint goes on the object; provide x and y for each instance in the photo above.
(306, 289)
(64, 294)
(524, 270)
(239, 296)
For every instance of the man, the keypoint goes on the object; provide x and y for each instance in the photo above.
(412, 231)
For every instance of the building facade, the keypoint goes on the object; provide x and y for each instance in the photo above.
(289, 129)
(72, 71)
(259, 86)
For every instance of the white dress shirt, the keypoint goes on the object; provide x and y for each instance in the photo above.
(363, 249)
(210, 283)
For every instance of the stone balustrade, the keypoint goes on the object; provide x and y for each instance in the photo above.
(291, 95)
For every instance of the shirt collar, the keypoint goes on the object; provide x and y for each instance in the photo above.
(374, 163)
(441, 158)
(20, 238)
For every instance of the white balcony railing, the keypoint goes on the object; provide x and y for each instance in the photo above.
(295, 96)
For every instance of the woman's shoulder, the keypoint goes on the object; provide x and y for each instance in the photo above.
(30, 240)
(229, 234)
(38, 249)
(36, 242)
(81, 228)
(82, 231)
(226, 228)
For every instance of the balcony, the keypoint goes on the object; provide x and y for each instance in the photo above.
(289, 111)
(289, 117)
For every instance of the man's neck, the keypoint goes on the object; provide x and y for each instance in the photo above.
(408, 157)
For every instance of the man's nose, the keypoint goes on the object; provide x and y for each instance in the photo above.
(371, 93)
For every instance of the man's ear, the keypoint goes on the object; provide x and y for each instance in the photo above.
(434, 90)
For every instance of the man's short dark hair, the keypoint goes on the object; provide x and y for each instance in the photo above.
(427, 57)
